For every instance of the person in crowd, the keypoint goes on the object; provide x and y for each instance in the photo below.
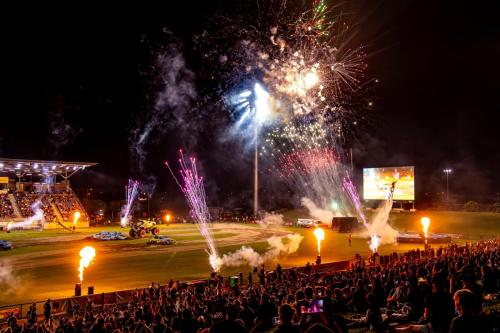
(416, 280)
(438, 308)
(47, 310)
(286, 314)
(246, 314)
(231, 324)
(467, 320)
(373, 314)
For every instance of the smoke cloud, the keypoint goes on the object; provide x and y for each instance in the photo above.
(317, 213)
(278, 247)
(271, 219)
(380, 226)
(62, 133)
(10, 284)
(29, 221)
(176, 85)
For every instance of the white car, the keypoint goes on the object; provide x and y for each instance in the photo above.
(307, 223)
(161, 240)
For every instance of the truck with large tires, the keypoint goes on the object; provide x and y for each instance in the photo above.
(140, 228)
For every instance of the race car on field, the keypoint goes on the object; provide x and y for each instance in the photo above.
(108, 236)
(5, 245)
(161, 240)
(142, 227)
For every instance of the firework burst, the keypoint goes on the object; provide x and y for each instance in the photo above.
(302, 155)
(301, 55)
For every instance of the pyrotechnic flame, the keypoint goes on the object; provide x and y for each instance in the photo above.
(374, 243)
(76, 217)
(320, 236)
(214, 261)
(87, 255)
(425, 225)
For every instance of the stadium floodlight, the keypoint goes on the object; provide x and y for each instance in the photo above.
(447, 172)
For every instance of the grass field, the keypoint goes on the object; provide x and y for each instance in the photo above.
(44, 264)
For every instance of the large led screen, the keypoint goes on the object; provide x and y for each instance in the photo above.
(377, 183)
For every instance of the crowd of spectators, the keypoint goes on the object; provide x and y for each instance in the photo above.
(437, 290)
(26, 202)
(67, 204)
(48, 211)
(6, 209)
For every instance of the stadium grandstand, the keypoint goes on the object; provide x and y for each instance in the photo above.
(27, 186)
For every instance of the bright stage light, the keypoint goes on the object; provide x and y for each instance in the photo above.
(263, 108)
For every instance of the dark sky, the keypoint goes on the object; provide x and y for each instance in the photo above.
(436, 102)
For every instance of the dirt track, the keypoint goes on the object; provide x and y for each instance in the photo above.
(66, 246)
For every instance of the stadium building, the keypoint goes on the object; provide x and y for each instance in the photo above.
(30, 187)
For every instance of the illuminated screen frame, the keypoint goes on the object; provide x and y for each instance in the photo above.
(378, 181)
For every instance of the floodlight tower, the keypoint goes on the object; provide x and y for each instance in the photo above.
(447, 172)
(261, 114)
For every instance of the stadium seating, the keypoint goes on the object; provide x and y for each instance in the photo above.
(6, 209)
(65, 202)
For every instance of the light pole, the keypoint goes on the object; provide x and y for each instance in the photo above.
(256, 174)
(258, 106)
(262, 113)
(447, 172)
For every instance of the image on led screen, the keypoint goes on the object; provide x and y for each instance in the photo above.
(377, 183)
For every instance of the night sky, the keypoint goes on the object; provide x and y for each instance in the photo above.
(435, 106)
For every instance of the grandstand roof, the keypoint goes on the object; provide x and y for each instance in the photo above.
(42, 168)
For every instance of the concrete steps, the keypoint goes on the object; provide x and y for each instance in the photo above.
(13, 202)
(56, 212)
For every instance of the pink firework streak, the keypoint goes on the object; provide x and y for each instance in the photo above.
(353, 194)
(193, 188)
(303, 162)
(131, 192)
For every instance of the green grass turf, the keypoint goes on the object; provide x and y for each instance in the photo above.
(472, 225)
(139, 265)
(33, 234)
